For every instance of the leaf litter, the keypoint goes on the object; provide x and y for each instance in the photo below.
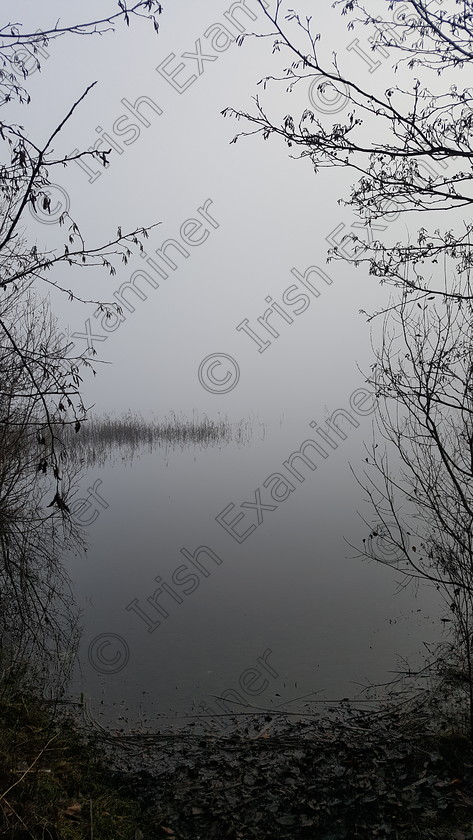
(355, 776)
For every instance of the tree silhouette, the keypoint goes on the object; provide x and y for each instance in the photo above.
(54, 375)
(410, 147)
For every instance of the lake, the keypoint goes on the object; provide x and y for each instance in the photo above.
(219, 578)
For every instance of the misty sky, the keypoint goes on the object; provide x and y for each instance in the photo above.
(269, 214)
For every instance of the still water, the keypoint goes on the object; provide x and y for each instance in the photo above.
(275, 611)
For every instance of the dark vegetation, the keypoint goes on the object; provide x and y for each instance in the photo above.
(53, 780)
(100, 438)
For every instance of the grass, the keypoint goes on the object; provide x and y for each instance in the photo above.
(53, 780)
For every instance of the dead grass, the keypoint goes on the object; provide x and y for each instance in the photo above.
(53, 782)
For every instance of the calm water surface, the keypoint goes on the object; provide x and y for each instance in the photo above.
(282, 618)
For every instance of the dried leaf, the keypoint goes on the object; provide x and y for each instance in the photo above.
(286, 820)
(73, 812)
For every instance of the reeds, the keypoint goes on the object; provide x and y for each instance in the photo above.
(100, 438)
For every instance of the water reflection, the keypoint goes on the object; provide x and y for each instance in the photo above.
(290, 596)
(106, 438)
(38, 615)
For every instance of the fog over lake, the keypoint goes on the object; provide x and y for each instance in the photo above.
(221, 569)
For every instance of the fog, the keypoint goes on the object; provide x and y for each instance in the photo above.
(232, 312)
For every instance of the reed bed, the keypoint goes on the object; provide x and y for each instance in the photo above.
(101, 438)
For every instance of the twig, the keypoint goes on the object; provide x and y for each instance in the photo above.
(3, 795)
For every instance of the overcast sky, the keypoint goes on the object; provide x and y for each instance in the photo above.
(264, 217)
